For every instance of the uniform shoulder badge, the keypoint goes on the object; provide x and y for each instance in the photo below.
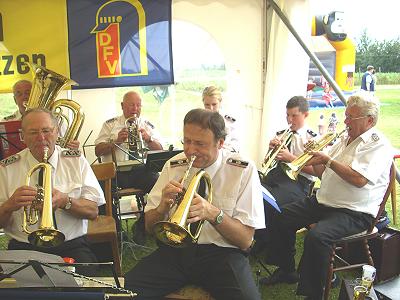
(312, 133)
(10, 117)
(237, 162)
(148, 123)
(111, 120)
(10, 160)
(71, 153)
(375, 137)
(232, 119)
(280, 132)
(179, 162)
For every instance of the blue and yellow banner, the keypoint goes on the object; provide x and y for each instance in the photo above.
(98, 44)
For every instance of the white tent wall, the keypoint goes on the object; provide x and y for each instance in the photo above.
(287, 66)
(238, 27)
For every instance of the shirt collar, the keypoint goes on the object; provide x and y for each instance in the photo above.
(366, 136)
(212, 170)
(53, 159)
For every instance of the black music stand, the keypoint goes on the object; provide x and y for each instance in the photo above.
(156, 160)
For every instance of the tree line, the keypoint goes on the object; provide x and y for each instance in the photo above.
(383, 55)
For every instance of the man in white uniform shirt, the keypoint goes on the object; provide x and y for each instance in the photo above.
(218, 262)
(212, 99)
(284, 189)
(76, 193)
(114, 132)
(354, 178)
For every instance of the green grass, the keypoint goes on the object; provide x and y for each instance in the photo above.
(389, 116)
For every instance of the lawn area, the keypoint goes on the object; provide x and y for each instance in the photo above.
(390, 112)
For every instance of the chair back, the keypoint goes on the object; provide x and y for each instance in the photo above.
(106, 172)
(392, 181)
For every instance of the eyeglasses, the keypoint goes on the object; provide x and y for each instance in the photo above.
(197, 144)
(44, 132)
(348, 118)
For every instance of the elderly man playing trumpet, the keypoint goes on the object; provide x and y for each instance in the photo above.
(75, 191)
(218, 262)
(354, 178)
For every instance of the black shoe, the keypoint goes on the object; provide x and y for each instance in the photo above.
(280, 276)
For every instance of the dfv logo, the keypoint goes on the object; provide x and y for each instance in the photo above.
(115, 30)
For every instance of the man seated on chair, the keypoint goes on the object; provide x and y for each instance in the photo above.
(354, 178)
(113, 137)
(21, 91)
(218, 262)
(284, 189)
(75, 191)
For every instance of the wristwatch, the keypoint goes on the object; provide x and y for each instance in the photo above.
(219, 218)
(69, 204)
(151, 138)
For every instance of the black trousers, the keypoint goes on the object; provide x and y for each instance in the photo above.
(223, 272)
(77, 248)
(331, 224)
(285, 191)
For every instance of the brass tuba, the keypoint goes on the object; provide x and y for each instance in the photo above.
(46, 236)
(176, 232)
(136, 146)
(46, 85)
(293, 169)
(270, 161)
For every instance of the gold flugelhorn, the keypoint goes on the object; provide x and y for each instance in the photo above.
(46, 85)
(46, 236)
(135, 140)
(293, 168)
(270, 161)
(176, 232)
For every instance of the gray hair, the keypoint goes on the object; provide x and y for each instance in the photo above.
(52, 116)
(368, 104)
(19, 82)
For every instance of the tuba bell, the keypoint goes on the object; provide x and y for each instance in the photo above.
(136, 146)
(46, 85)
(176, 232)
(270, 161)
(293, 169)
(46, 236)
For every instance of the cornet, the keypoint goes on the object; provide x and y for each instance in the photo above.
(135, 140)
(176, 232)
(270, 161)
(293, 169)
(46, 236)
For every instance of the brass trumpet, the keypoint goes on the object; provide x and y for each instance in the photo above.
(293, 169)
(46, 236)
(135, 140)
(176, 232)
(270, 161)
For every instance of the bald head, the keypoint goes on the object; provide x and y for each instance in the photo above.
(131, 104)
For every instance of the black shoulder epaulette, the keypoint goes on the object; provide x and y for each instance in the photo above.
(179, 162)
(237, 162)
(280, 132)
(148, 123)
(312, 133)
(10, 117)
(71, 153)
(10, 160)
(230, 118)
(111, 120)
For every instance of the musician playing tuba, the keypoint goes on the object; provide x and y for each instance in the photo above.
(217, 260)
(74, 190)
(21, 92)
